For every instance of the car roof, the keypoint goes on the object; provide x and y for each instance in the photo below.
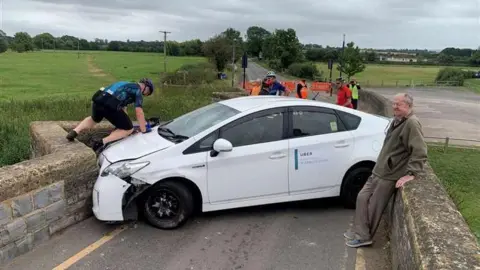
(247, 103)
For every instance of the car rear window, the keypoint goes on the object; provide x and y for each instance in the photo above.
(350, 121)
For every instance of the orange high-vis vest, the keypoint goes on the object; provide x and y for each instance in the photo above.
(255, 90)
(303, 91)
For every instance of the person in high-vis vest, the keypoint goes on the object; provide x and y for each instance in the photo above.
(354, 87)
(302, 90)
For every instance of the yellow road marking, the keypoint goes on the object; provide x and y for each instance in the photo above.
(84, 252)
(360, 260)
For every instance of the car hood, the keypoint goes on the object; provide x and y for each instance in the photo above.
(136, 146)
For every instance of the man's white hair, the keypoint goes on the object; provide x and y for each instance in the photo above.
(408, 98)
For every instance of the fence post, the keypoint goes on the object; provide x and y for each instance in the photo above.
(447, 139)
(396, 83)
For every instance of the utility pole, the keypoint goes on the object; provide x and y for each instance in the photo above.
(78, 48)
(164, 49)
(343, 49)
(233, 63)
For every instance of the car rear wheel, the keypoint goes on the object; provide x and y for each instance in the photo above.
(353, 183)
(168, 205)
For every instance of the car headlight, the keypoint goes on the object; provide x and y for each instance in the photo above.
(124, 169)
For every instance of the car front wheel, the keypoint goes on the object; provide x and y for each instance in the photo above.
(353, 183)
(168, 205)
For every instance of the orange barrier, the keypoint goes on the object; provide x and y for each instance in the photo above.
(292, 86)
(320, 86)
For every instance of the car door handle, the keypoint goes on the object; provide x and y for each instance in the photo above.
(277, 156)
(341, 145)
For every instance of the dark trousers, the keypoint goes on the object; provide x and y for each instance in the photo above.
(355, 103)
(371, 203)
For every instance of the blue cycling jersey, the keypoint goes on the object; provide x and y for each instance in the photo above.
(126, 92)
(276, 86)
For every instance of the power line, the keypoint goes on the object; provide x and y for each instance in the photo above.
(164, 49)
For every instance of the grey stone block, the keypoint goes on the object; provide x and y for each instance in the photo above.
(4, 237)
(24, 245)
(40, 199)
(61, 224)
(41, 236)
(5, 214)
(36, 220)
(55, 192)
(72, 199)
(7, 253)
(55, 211)
(22, 205)
(17, 229)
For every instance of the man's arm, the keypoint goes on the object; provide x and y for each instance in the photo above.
(349, 98)
(139, 112)
(417, 148)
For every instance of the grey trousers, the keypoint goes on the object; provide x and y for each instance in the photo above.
(371, 203)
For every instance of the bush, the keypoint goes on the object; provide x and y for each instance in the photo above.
(3, 45)
(16, 115)
(198, 73)
(450, 74)
(275, 64)
(304, 70)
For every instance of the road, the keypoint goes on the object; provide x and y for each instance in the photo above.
(445, 113)
(305, 235)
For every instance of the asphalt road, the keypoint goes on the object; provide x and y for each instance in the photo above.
(305, 235)
(445, 112)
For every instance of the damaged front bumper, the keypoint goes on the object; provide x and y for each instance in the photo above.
(114, 199)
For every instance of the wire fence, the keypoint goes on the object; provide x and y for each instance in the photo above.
(459, 143)
(404, 83)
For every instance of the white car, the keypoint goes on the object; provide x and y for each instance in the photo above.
(235, 153)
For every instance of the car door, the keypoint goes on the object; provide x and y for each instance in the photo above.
(320, 146)
(258, 164)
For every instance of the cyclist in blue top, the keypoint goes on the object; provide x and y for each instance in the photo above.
(275, 86)
(111, 103)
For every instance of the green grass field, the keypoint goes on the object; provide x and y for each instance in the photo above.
(459, 172)
(374, 74)
(58, 86)
(62, 73)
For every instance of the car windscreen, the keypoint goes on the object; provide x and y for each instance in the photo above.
(196, 121)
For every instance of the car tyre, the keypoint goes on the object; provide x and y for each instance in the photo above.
(168, 205)
(352, 184)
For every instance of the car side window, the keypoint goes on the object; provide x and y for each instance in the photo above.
(263, 128)
(312, 123)
(207, 143)
(350, 121)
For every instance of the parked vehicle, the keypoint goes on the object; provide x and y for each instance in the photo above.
(235, 153)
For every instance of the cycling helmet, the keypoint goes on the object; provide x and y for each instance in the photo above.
(148, 83)
(270, 74)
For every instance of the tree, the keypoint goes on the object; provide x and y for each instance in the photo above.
(370, 56)
(44, 41)
(3, 44)
(218, 51)
(445, 59)
(351, 60)
(256, 36)
(22, 42)
(284, 46)
(475, 59)
(233, 37)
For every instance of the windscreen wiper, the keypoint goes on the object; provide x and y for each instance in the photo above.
(172, 134)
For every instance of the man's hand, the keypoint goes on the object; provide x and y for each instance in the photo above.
(404, 180)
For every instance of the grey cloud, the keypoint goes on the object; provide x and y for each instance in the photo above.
(370, 23)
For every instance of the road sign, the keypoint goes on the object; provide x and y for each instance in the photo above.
(244, 60)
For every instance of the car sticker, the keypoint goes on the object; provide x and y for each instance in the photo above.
(333, 126)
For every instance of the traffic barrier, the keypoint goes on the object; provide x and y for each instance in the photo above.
(292, 85)
(320, 87)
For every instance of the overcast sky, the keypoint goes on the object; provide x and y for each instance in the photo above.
(431, 24)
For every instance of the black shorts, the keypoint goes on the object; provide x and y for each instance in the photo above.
(118, 118)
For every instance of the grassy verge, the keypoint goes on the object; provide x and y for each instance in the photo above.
(458, 169)
(16, 115)
(473, 85)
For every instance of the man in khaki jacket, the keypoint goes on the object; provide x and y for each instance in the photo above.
(401, 159)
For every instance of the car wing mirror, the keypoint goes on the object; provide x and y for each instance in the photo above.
(221, 145)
